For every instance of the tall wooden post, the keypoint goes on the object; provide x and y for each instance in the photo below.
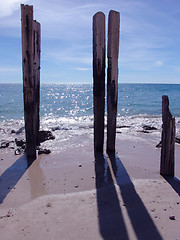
(168, 139)
(112, 78)
(31, 77)
(36, 72)
(99, 79)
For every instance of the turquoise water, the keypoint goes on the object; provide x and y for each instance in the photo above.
(77, 100)
(135, 99)
(69, 108)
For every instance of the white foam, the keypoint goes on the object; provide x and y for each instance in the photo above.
(66, 129)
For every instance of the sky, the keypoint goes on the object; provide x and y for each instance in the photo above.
(149, 40)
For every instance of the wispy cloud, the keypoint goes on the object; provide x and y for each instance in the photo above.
(149, 39)
(159, 63)
(83, 69)
(75, 54)
(9, 69)
(7, 7)
(177, 68)
(70, 58)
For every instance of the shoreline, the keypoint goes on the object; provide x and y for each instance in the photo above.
(69, 194)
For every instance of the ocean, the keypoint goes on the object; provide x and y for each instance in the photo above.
(68, 108)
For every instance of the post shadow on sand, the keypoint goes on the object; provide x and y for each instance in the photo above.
(174, 182)
(142, 223)
(12, 175)
(111, 222)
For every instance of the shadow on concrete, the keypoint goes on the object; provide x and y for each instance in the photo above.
(12, 175)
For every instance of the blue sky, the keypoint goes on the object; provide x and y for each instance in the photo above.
(149, 40)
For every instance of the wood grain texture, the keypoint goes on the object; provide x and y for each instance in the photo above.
(99, 79)
(36, 72)
(31, 76)
(112, 78)
(168, 140)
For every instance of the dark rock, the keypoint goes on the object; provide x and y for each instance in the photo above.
(123, 126)
(49, 205)
(143, 131)
(5, 144)
(159, 145)
(172, 218)
(45, 135)
(23, 146)
(56, 128)
(149, 128)
(18, 151)
(19, 142)
(177, 139)
(20, 130)
(43, 151)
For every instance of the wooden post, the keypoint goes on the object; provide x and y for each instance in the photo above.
(36, 72)
(28, 80)
(168, 140)
(112, 78)
(99, 79)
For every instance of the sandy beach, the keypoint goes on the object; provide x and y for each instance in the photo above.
(72, 74)
(70, 194)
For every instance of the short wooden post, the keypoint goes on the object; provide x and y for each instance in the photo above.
(99, 79)
(168, 139)
(28, 80)
(112, 78)
(36, 72)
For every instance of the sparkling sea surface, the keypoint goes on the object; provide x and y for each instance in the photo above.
(70, 107)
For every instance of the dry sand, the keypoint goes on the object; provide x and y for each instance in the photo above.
(71, 195)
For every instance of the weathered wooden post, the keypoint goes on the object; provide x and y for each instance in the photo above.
(31, 76)
(36, 71)
(168, 139)
(99, 79)
(112, 78)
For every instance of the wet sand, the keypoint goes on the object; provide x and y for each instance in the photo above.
(71, 194)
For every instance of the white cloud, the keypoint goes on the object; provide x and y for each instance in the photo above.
(148, 31)
(7, 7)
(9, 69)
(76, 54)
(177, 68)
(83, 69)
(74, 59)
(159, 63)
